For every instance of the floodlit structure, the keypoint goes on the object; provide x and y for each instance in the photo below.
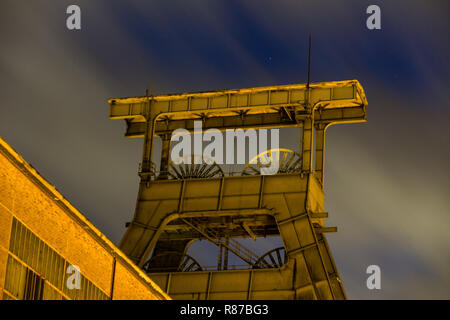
(50, 251)
(179, 204)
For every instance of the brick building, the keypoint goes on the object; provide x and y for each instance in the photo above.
(49, 250)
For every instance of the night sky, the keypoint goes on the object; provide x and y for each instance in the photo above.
(387, 181)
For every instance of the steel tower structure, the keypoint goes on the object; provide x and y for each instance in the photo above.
(179, 204)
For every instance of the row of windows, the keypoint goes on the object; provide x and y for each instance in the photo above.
(47, 270)
(22, 283)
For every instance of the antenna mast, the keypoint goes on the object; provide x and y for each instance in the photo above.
(309, 62)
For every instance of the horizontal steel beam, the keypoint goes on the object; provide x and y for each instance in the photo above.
(263, 232)
(274, 120)
(339, 101)
(326, 229)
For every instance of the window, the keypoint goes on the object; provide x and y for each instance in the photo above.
(35, 271)
(34, 286)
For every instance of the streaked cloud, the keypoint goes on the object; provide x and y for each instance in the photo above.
(386, 181)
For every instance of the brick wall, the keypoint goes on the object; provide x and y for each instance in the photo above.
(25, 195)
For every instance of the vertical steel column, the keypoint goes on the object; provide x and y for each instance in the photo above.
(320, 152)
(148, 141)
(308, 135)
(165, 156)
(219, 258)
(225, 256)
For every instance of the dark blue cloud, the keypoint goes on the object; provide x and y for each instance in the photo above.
(386, 180)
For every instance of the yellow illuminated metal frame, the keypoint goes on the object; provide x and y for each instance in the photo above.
(295, 200)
